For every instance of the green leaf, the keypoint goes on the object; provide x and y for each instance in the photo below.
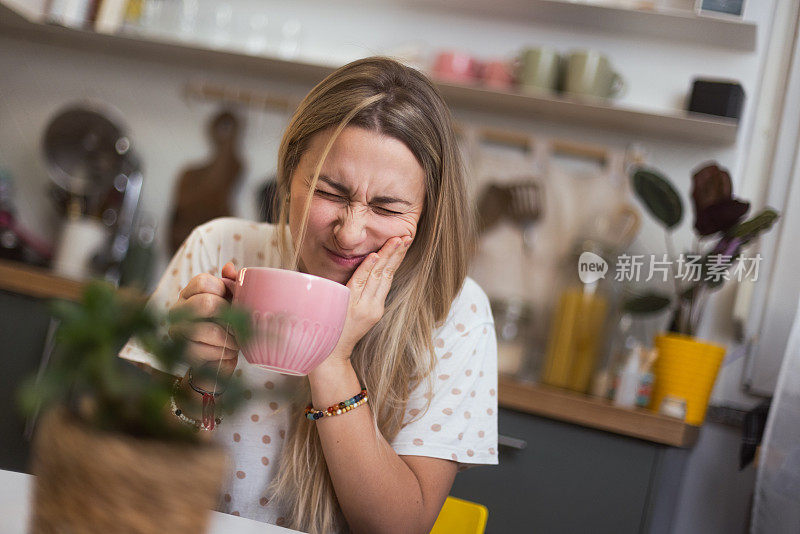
(751, 228)
(647, 304)
(658, 196)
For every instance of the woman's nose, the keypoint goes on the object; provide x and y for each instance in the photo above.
(351, 228)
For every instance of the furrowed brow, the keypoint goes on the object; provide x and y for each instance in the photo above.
(340, 188)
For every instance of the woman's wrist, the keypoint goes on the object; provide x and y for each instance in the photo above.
(332, 381)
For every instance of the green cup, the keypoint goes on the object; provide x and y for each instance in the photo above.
(538, 69)
(589, 73)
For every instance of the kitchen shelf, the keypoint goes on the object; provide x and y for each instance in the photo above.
(676, 25)
(594, 413)
(674, 125)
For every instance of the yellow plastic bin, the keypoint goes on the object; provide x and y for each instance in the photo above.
(686, 369)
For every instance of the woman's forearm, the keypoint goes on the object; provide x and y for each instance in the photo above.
(375, 488)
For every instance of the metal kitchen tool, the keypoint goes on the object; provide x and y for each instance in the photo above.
(85, 150)
(90, 160)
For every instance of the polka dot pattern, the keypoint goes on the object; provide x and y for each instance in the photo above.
(466, 372)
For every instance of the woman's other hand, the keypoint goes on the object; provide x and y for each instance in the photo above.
(369, 285)
(205, 295)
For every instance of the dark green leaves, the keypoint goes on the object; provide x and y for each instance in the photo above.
(658, 196)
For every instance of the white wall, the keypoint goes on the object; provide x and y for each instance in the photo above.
(168, 132)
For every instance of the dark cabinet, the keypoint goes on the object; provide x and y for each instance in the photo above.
(571, 479)
(24, 327)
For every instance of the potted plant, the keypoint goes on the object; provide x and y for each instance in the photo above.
(687, 365)
(108, 453)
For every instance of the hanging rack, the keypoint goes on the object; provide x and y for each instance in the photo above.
(256, 99)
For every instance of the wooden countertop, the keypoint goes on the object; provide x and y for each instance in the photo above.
(526, 397)
(41, 283)
(37, 282)
(596, 413)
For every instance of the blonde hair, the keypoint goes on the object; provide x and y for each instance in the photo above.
(384, 96)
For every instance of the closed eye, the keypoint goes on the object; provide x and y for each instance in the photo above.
(331, 196)
(384, 211)
(339, 198)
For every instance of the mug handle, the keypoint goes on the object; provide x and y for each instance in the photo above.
(617, 85)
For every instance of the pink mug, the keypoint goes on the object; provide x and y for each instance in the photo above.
(456, 67)
(498, 75)
(297, 318)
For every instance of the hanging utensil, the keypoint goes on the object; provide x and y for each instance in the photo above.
(526, 209)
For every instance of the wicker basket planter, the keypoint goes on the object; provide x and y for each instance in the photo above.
(90, 481)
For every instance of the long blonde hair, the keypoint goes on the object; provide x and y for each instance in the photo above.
(384, 96)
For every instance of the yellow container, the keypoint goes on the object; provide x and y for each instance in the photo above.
(575, 338)
(686, 369)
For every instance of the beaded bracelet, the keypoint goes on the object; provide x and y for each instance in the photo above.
(337, 409)
(198, 425)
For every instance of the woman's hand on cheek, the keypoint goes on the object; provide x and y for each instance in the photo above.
(369, 286)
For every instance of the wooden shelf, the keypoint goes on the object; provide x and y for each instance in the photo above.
(594, 413)
(677, 125)
(674, 125)
(681, 26)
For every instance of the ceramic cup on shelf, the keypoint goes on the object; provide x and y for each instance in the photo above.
(588, 73)
(458, 67)
(498, 74)
(538, 70)
(297, 318)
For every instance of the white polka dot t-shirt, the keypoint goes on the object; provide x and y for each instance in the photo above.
(460, 424)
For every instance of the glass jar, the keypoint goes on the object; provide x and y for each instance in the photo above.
(513, 321)
(581, 318)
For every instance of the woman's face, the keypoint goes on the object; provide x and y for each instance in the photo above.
(371, 188)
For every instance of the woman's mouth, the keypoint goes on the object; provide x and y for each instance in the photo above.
(349, 262)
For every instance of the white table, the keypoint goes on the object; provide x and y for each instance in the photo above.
(15, 491)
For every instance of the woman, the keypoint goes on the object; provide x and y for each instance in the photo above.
(371, 191)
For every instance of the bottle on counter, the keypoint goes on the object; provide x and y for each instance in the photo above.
(628, 380)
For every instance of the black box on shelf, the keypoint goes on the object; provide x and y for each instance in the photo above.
(713, 97)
